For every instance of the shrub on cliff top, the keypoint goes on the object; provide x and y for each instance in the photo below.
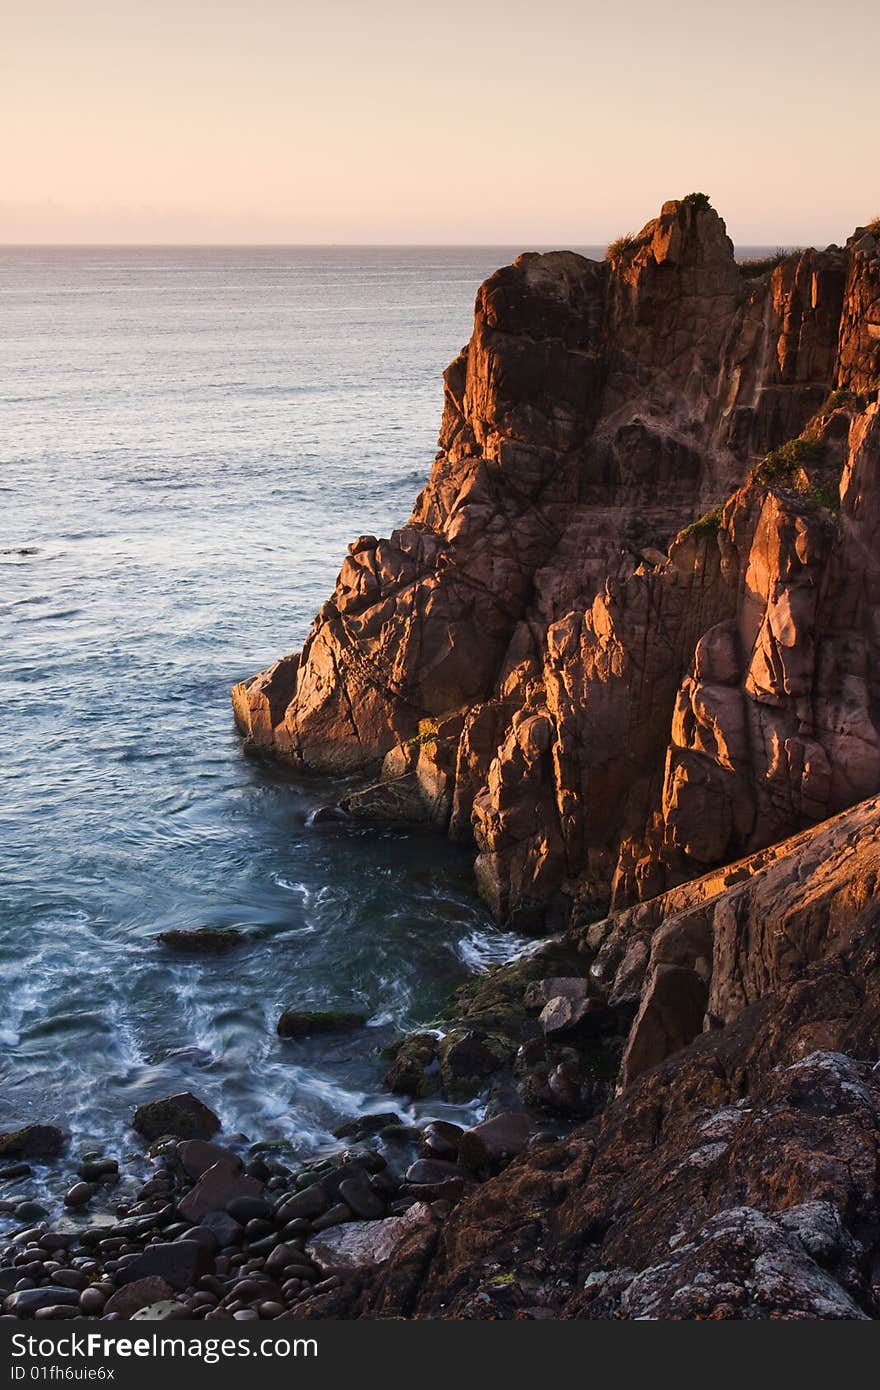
(700, 201)
(874, 226)
(781, 465)
(619, 246)
(709, 524)
(759, 265)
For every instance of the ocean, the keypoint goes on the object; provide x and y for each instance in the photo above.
(189, 439)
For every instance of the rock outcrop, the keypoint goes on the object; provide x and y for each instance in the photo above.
(735, 1175)
(611, 646)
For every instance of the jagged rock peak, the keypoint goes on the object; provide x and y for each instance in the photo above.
(612, 647)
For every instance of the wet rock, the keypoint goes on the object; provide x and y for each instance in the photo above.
(178, 1262)
(565, 1014)
(33, 1141)
(219, 1189)
(98, 1170)
(413, 1071)
(440, 1139)
(487, 1145)
(365, 1244)
(280, 1257)
(183, 1116)
(197, 1156)
(203, 941)
(312, 1201)
(250, 1205)
(224, 1228)
(334, 1217)
(365, 1126)
(139, 1294)
(432, 1171)
(360, 1197)
(92, 1302)
(79, 1194)
(29, 1211)
(26, 1302)
(468, 1057)
(13, 1171)
(303, 1023)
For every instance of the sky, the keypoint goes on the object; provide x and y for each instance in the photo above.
(554, 122)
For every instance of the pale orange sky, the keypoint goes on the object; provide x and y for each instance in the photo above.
(552, 122)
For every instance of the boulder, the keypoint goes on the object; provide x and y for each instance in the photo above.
(179, 1262)
(216, 1190)
(413, 1071)
(197, 1155)
(184, 1116)
(33, 1141)
(468, 1056)
(139, 1294)
(365, 1126)
(363, 1245)
(440, 1139)
(490, 1143)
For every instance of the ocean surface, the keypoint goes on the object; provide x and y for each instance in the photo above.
(188, 440)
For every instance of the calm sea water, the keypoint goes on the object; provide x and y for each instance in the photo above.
(188, 439)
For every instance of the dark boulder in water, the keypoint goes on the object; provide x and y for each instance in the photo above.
(365, 1126)
(33, 1141)
(184, 1116)
(301, 1023)
(203, 941)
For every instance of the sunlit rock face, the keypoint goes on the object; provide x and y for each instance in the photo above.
(607, 648)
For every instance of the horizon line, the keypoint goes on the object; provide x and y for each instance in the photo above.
(559, 245)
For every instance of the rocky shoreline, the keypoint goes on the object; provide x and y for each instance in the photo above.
(210, 1235)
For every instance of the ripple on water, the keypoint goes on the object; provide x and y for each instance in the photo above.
(161, 549)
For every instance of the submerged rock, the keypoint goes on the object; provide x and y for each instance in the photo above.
(203, 941)
(303, 1023)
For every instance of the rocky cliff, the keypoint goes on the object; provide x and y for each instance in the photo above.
(629, 632)
(735, 1174)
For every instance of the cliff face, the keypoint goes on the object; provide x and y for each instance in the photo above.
(551, 658)
(735, 1175)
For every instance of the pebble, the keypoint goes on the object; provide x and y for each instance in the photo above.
(79, 1194)
(334, 1217)
(92, 1301)
(29, 1211)
(270, 1310)
(12, 1171)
